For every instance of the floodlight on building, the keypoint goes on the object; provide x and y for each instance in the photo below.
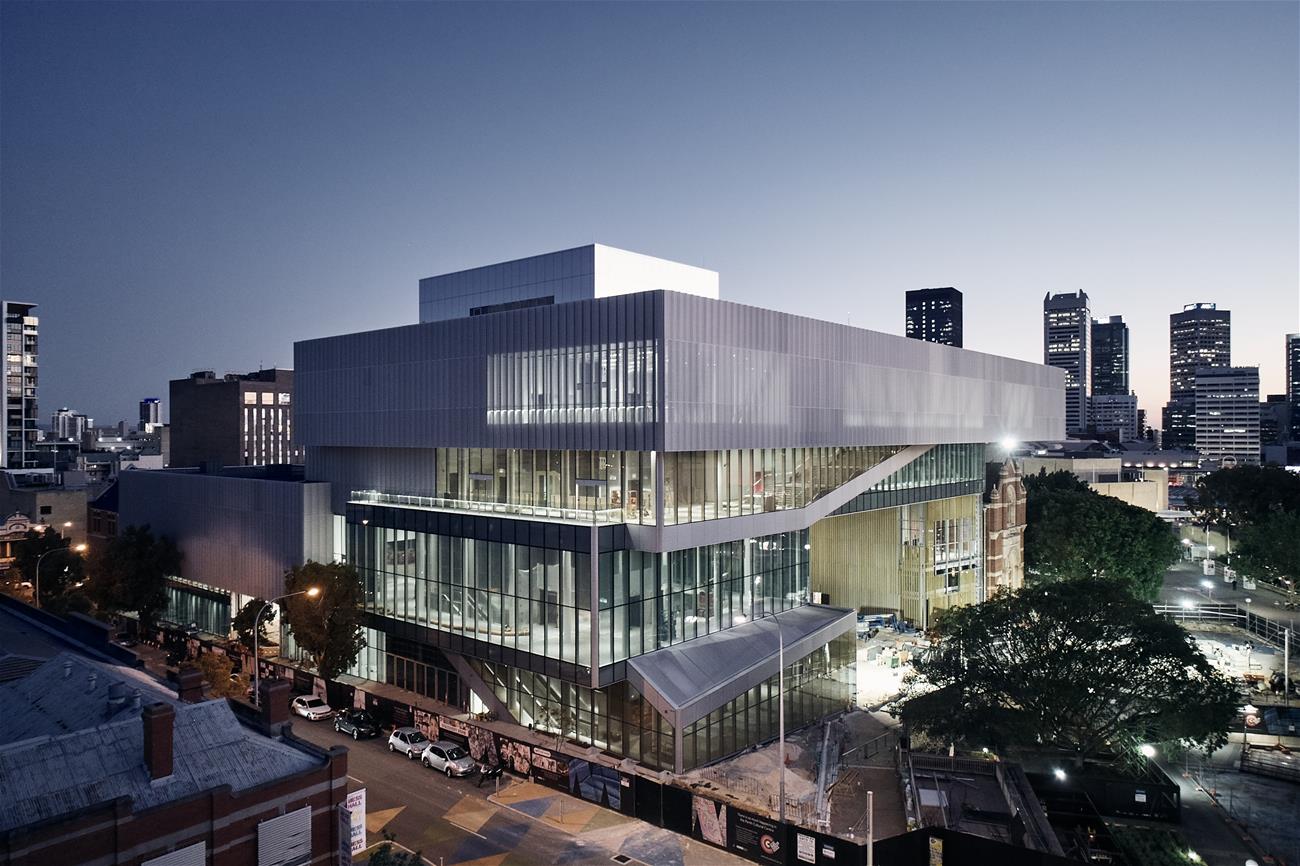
(1147, 750)
(1060, 774)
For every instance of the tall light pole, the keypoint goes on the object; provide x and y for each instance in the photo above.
(310, 592)
(36, 599)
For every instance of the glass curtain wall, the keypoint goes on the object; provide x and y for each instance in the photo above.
(706, 485)
(534, 599)
(609, 382)
(649, 601)
(584, 480)
(942, 464)
(192, 604)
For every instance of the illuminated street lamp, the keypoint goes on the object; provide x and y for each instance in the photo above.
(1147, 750)
(310, 592)
(79, 548)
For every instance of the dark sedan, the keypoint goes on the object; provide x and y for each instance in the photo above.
(358, 723)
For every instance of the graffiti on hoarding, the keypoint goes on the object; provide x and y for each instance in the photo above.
(427, 724)
(709, 820)
(516, 756)
(483, 746)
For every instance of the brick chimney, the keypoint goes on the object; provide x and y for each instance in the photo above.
(189, 685)
(274, 697)
(159, 720)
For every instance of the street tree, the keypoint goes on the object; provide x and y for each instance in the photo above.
(388, 855)
(1074, 532)
(1246, 495)
(130, 573)
(243, 622)
(61, 569)
(1270, 549)
(217, 669)
(1079, 665)
(327, 626)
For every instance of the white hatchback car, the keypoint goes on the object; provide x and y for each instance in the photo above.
(407, 741)
(311, 708)
(448, 758)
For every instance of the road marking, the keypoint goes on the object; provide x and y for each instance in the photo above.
(466, 829)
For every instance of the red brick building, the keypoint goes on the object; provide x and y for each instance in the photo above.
(101, 764)
(1005, 503)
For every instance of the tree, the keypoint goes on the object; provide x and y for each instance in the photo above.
(1081, 665)
(60, 570)
(1246, 494)
(328, 626)
(1074, 532)
(216, 670)
(1270, 549)
(243, 622)
(386, 855)
(131, 573)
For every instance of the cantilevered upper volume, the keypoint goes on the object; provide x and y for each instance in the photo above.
(593, 271)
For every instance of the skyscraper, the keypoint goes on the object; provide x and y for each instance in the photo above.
(150, 412)
(1199, 336)
(19, 420)
(1110, 357)
(1293, 382)
(1227, 413)
(934, 315)
(1067, 346)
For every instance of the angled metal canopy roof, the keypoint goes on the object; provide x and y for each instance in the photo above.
(688, 681)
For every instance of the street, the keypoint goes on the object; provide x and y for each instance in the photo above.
(451, 821)
(1183, 582)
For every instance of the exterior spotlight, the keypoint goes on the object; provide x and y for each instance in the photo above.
(313, 592)
(1188, 604)
(1060, 774)
(1147, 750)
(1207, 584)
(1008, 444)
(80, 548)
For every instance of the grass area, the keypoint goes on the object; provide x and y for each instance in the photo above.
(1153, 846)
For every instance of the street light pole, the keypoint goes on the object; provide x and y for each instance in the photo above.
(257, 630)
(36, 590)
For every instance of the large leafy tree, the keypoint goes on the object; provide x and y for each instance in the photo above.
(326, 625)
(130, 574)
(1270, 549)
(217, 676)
(1073, 532)
(1080, 665)
(1247, 494)
(247, 619)
(60, 569)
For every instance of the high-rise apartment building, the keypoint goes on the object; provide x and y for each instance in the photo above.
(1110, 358)
(1199, 336)
(1067, 345)
(20, 420)
(593, 508)
(233, 420)
(1293, 382)
(69, 424)
(1227, 414)
(150, 413)
(934, 315)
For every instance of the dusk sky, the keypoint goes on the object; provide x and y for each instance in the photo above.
(196, 186)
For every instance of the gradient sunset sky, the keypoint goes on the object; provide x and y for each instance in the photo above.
(196, 186)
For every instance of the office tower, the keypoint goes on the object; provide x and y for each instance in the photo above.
(150, 413)
(934, 315)
(1116, 416)
(233, 420)
(68, 424)
(1227, 414)
(1066, 346)
(1274, 420)
(1293, 382)
(593, 508)
(1110, 359)
(1199, 336)
(20, 420)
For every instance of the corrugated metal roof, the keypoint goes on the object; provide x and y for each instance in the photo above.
(58, 757)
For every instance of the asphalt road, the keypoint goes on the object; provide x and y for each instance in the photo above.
(451, 821)
(1183, 582)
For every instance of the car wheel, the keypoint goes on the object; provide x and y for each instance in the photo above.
(426, 763)
(392, 748)
(410, 756)
(354, 736)
(448, 771)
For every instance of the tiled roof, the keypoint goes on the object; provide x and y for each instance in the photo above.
(64, 755)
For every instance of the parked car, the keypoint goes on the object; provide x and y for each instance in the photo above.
(448, 758)
(358, 723)
(407, 741)
(311, 708)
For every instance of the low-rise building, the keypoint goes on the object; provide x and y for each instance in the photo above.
(1005, 505)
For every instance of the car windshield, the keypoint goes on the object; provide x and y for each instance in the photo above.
(313, 702)
(362, 718)
(417, 737)
(455, 753)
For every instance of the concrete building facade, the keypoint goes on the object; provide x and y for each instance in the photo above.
(1227, 414)
(1116, 415)
(234, 420)
(21, 333)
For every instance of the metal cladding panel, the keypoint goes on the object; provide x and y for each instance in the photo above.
(745, 377)
(237, 534)
(424, 386)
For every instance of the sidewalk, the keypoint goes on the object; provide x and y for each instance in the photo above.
(1206, 827)
(599, 827)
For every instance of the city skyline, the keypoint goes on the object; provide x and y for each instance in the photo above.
(1036, 149)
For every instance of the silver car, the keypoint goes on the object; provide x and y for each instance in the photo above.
(312, 708)
(407, 741)
(448, 758)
